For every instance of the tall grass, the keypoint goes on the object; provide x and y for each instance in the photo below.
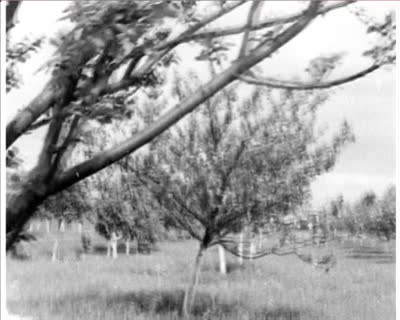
(152, 286)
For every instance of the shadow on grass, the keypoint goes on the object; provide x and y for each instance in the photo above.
(101, 249)
(165, 302)
(231, 267)
(372, 254)
(170, 301)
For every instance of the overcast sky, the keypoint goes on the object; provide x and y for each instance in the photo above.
(368, 104)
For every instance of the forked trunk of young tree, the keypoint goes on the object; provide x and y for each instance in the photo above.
(241, 239)
(190, 292)
(38, 224)
(222, 259)
(30, 228)
(54, 252)
(113, 243)
(127, 247)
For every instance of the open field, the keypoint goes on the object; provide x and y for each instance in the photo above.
(361, 286)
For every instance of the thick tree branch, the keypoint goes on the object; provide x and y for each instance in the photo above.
(56, 90)
(38, 124)
(60, 150)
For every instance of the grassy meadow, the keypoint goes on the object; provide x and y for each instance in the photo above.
(149, 287)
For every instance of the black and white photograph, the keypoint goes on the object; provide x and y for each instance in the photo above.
(198, 159)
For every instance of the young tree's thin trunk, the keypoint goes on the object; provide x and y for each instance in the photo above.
(241, 239)
(222, 259)
(114, 244)
(38, 224)
(114, 249)
(190, 292)
(252, 248)
(61, 225)
(109, 248)
(47, 225)
(54, 253)
(260, 238)
(30, 228)
(80, 227)
(127, 247)
(11, 12)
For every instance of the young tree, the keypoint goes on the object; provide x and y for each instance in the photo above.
(239, 160)
(387, 221)
(124, 211)
(122, 46)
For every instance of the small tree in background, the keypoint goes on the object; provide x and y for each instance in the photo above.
(231, 161)
(386, 224)
(124, 211)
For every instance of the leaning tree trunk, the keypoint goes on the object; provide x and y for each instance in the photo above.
(222, 259)
(190, 292)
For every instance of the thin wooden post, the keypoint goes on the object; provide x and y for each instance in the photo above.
(241, 239)
(222, 259)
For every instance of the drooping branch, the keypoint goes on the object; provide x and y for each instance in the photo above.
(299, 85)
